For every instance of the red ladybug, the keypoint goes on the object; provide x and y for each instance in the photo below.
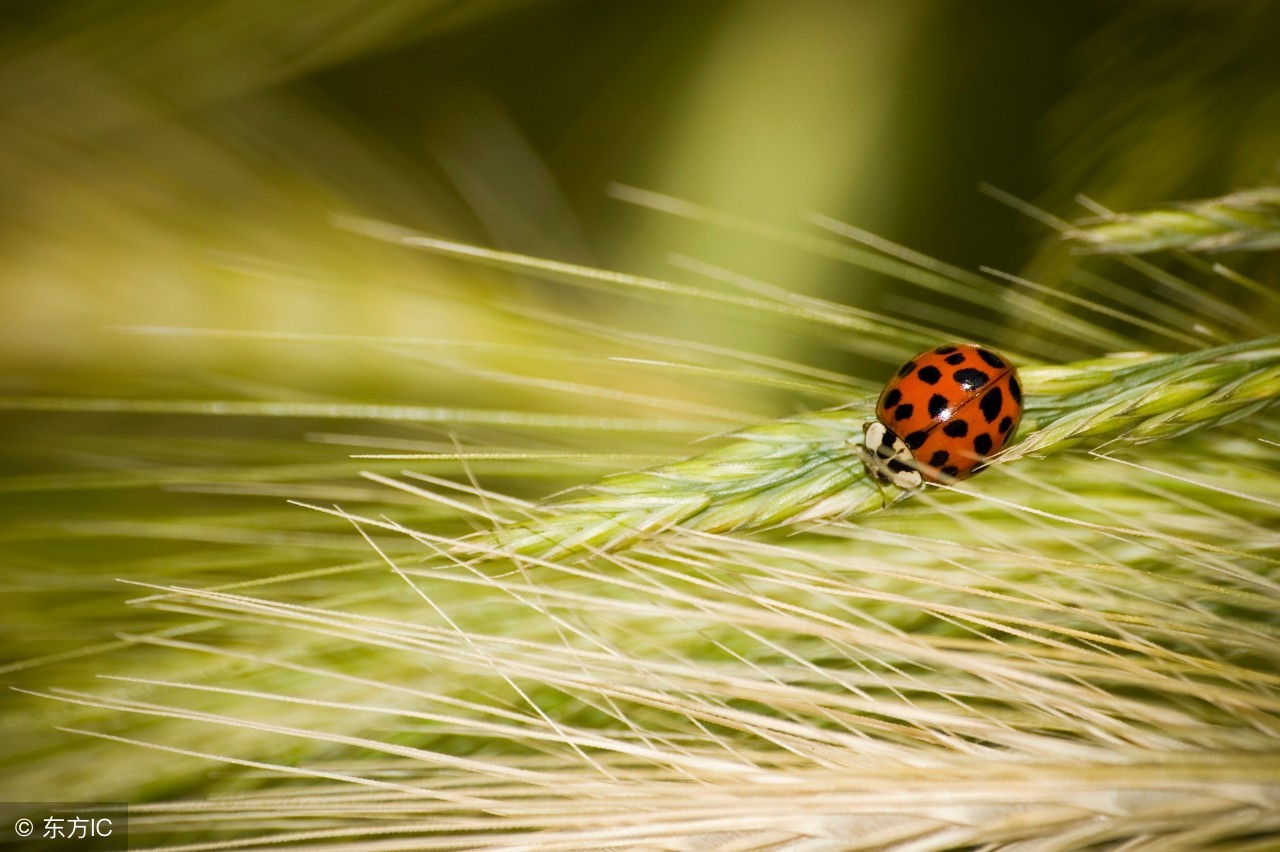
(947, 411)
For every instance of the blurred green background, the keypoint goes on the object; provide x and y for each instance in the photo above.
(152, 152)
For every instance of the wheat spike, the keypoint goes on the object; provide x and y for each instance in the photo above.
(1242, 221)
(804, 468)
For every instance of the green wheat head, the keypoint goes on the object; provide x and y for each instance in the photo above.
(804, 468)
(1242, 221)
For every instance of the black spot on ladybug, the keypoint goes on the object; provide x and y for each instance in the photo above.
(939, 458)
(991, 358)
(888, 439)
(906, 369)
(937, 404)
(982, 444)
(957, 358)
(1005, 424)
(929, 375)
(898, 466)
(949, 470)
(955, 429)
(944, 350)
(892, 398)
(904, 411)
(1015, 390)
(971, 379)
(915, 439)
(992, 402)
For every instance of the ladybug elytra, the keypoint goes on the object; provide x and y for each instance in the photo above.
(946, 411)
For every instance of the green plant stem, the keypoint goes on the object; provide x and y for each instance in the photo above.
(805, 468)
(1242, 221)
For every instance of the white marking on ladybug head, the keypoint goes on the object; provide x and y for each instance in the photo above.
(873, 434)
(887, 458)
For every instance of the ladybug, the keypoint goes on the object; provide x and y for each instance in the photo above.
(946, 412)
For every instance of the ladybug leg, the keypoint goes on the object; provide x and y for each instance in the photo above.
(869, 453)
(877, 479)
(884, 498)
